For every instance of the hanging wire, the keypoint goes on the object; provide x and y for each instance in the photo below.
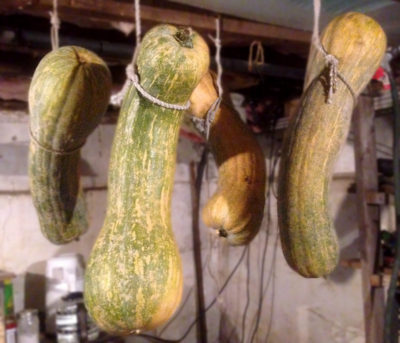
(55, 26)
(267, 235)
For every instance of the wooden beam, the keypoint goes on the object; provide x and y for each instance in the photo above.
(368, 216)
(114, 10)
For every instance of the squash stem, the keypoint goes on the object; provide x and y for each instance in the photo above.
(184, 37)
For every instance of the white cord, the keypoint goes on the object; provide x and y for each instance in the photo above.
(55, 26)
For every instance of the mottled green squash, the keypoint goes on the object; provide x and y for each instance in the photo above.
(236, 209)
(313, 141)
(134, 276)
(68, 95)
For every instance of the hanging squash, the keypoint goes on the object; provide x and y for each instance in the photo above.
(68, 96)
(134, 276)
(237, 207)
(314, 138)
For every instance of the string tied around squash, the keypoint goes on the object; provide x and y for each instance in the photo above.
(60, 152)
(55, 26)
(133, 79)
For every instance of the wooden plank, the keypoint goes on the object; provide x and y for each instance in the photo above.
(368, 216)
(124, 12)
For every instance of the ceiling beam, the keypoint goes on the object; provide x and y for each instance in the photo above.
(118, 11)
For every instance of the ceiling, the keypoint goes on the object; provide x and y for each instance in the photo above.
(298, 14)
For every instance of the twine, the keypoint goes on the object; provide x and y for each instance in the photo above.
(51, 150)
(117, 98)
(330, 60)
(259, 56)
(55, 26)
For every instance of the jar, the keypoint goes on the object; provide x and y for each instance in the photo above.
(28, 327)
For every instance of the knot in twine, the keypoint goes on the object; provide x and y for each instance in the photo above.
(210, 116)
(332, 64)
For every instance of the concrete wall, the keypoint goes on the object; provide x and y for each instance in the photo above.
(294, 309)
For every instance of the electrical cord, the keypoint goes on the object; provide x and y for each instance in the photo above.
(246, 307)
(264, 253)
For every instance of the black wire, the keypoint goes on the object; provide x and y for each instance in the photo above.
(264, 254)
(271, 276)
(228, 279)
(179, 311)
(246, 307)
(273, 267)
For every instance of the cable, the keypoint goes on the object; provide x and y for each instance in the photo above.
(179, 311)
(246, 307)
(268, 215)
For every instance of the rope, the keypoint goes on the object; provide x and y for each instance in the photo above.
(55, 26)
(51, 150)
(259, 56)
(330, 60)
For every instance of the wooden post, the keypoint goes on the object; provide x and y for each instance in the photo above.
(368, 217)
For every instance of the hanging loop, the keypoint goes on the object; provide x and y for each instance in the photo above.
(258, 59)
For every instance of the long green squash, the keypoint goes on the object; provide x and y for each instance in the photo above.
(237, 207)
(68, 95)
(134, 276)
(314, 138)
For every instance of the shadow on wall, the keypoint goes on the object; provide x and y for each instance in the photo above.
(346, 226)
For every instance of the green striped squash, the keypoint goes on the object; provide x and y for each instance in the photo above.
(68, 95)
